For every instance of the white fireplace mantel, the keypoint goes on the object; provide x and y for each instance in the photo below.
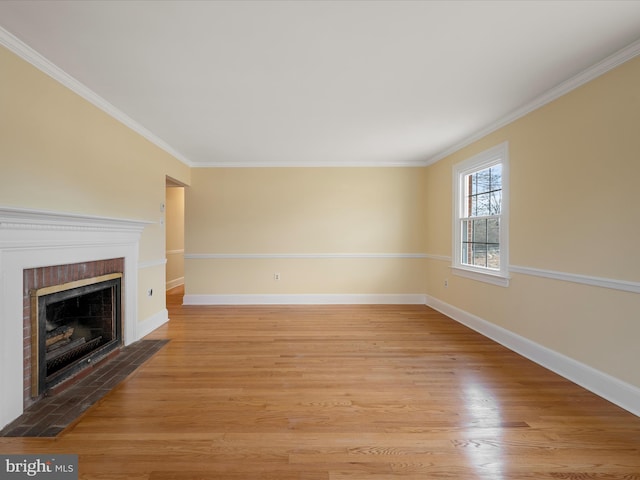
(37, 238)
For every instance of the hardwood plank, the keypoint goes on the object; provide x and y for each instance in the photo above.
(341, 393)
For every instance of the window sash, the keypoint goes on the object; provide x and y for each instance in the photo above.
(480, 242)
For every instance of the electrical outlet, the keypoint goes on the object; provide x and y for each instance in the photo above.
(276, 276)
(150, 292)
(446, 283)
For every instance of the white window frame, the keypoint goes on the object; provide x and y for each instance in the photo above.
(493, 156)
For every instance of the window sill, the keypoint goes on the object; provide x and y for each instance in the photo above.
(492, 278)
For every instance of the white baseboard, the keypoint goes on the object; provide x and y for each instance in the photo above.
(623, 394)
(176, 282)
(306, 299)
(149, 324)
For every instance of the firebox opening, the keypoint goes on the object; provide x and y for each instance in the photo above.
(77, 323)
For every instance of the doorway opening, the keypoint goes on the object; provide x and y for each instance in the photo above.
(174, 233)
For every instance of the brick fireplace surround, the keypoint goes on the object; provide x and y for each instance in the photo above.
(35, 239)
(35, 278)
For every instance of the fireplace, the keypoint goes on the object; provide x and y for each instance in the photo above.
(39, 249)
(73, 325)
(71, 320)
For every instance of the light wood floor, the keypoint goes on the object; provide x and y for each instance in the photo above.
(342, 393)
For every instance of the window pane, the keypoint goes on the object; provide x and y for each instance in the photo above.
(493, 256)
(466, 253)
(482, 205)
(480, 244)
(483, 196)
(493, 230)
(496, 177)
(495, 207)
(480, 231)
(483, 181)
(480, 254)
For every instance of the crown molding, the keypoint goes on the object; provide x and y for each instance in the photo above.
(28, 54)
(332, 164)
(591, 73)
(24, 51)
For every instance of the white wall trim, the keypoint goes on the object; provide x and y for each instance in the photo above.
(175, 252)
(176, 282)
(28, 54)
(194, 256)
(152, 263)
(613, 389)
(442, 258)
(306, 299)
(623, 285)
(148, 325)
(37, 238)
(603, 282)
(17, 218)
(591, 73)
(479, 276)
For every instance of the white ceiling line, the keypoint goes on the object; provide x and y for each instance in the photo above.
(24, 51)
(28, 54)
(383, 164)
(600, 68)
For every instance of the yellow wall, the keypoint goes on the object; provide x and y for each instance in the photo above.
(60, 153)
(311, 211)
(574, 167)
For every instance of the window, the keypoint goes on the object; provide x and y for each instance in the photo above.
(480, 237)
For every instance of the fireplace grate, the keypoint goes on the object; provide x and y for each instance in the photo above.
(72, 354)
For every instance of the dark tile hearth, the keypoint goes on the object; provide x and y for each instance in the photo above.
(51, 415)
